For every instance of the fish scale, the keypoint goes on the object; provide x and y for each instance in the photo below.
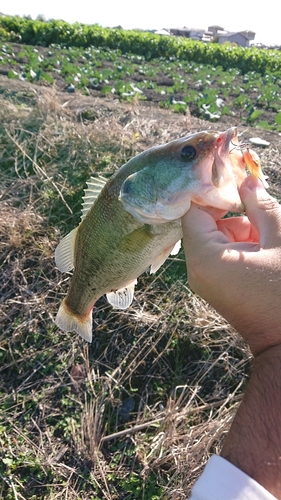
(132, 222)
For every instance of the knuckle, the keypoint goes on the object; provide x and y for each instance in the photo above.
(268, 203)
(271, 205)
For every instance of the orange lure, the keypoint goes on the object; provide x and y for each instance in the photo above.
(253, 164)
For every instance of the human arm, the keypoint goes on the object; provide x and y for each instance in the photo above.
(235, 264)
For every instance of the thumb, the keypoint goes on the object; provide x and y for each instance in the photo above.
(263, 211)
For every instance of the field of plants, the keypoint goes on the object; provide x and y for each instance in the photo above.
(211, 80)
(151, 46)
(207, 91)
(136, 414)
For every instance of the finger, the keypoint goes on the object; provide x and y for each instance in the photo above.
(238, 229)
(263, 211)
(211, 257)
(199, 228)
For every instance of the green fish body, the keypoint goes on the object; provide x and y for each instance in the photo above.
(132, 222)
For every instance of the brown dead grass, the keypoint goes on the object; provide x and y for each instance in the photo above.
(179, 363)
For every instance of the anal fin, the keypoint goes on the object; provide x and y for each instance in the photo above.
(122, 298)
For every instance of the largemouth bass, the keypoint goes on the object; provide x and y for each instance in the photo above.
(132, 222)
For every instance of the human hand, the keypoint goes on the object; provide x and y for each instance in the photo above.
(235, 264)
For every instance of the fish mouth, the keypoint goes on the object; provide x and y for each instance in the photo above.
(225, 145)
(228, 157)
(228, 171)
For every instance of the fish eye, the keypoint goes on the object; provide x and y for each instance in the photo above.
(188, 152)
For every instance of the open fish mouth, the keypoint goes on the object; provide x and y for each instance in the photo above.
(228, 159)
(227, 173)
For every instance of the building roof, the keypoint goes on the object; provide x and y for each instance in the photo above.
(182, 29)
(217, 27)
(162, 32)
(229, 34)
(190, 29)
(247, 33)
(197, 29)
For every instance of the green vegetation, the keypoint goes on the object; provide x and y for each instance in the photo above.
(206, 91)
(134, 415)
(207, 80)
(145, 44)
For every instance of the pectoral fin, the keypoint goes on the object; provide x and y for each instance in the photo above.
(176, 248)
(122, 298)
(172, 250)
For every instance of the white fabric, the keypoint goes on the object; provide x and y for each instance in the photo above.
(221, 480)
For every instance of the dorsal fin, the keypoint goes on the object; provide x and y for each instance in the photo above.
(64, 253)
(94, 187)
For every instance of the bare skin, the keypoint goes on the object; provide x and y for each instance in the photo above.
(235, 265)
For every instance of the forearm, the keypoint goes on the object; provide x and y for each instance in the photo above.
(253, 443)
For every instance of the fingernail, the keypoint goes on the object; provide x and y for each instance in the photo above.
(252, 182)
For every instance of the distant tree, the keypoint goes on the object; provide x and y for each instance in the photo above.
(41, 17)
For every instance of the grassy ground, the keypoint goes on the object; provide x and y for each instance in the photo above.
(136, 414)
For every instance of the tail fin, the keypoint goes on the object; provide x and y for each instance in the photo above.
(69, 322)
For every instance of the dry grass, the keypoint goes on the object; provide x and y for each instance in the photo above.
(136, 414)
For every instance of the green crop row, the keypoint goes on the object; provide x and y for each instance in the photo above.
(149, 45)
(207, 91)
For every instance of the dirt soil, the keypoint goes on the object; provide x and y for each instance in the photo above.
(95, 107)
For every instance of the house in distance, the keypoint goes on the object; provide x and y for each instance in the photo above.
(216, 34)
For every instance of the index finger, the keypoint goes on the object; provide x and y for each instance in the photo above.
(199, 227)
